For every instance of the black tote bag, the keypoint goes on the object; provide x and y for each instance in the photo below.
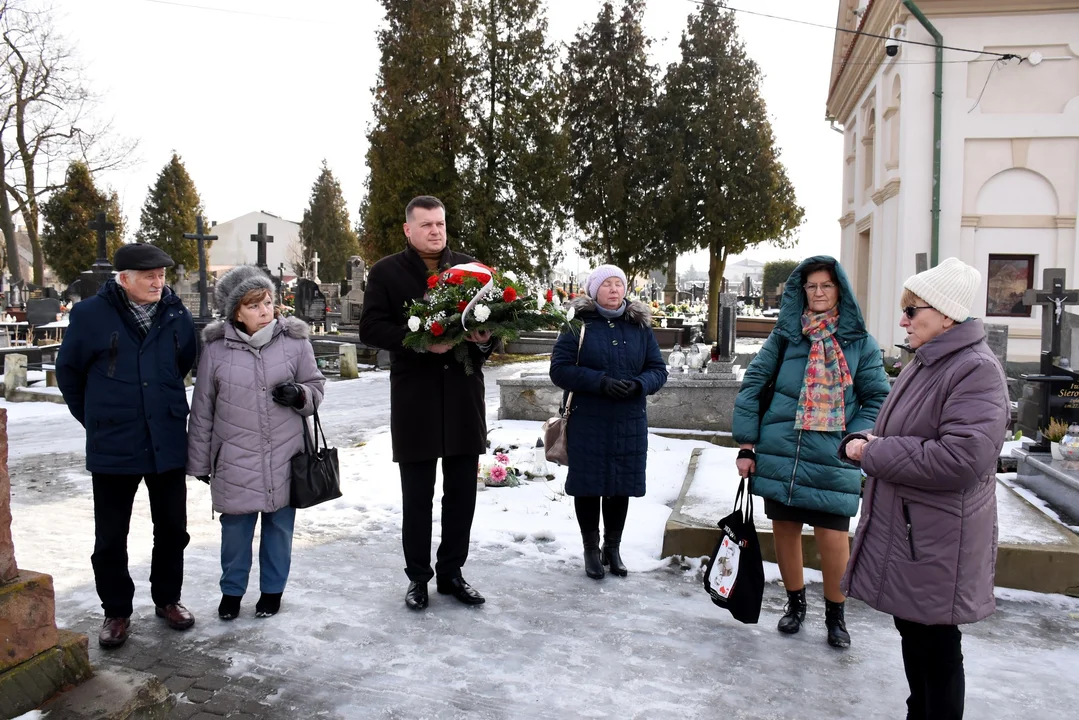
(315, 476)
(734, 577)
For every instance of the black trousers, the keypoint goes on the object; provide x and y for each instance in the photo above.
(933, 661)
(458, 508)
(614, 510)
(113, 499)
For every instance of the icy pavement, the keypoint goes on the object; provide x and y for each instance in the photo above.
(549, 643)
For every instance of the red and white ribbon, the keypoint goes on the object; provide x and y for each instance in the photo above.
(473, 270)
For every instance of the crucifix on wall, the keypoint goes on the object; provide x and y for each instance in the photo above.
(314, 268)
(1053, 298)
(262, 238)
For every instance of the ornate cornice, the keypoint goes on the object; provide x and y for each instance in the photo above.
(846, 221)
(961, 8)
(1065, 222)
(865, 223)
(890, 190)
(970, 221)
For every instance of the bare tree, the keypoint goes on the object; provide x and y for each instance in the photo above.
(46, 121)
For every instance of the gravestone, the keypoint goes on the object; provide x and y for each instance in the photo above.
(310, 303)
(8, 568)
(42, 312)
(996, 336)
(352, 301)
(204, 284)
(262, 238)
(14, 374)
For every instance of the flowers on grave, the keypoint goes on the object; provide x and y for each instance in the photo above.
(473, 297)
(893, 369)
(499, 473)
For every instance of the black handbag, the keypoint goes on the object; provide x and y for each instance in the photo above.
(734, 577)
(315, 474)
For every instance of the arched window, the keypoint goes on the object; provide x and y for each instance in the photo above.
(891, 117)
(869, 148)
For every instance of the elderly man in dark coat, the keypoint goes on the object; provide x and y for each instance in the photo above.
(436, 410)
(121, 370)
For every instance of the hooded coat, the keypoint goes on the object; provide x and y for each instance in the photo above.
(238, 435)
(926, 545)
(608, 438)
(799, 468)
(436, 409)
(125, 389)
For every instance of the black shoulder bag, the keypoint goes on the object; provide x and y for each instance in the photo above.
(315, 475)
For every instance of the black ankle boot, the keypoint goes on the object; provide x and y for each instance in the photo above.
(611, 556)
(593, 562)
(268, 604)
(792, 620)
(229, 608)
(838, 637)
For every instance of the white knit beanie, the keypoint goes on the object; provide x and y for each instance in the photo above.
(600, 274)
(949, 287)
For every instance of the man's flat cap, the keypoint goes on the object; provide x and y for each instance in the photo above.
(141, 256)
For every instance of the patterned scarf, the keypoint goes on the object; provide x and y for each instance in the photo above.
(144, 315)
(821, 406)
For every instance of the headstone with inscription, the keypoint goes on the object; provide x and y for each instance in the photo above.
(310, 302)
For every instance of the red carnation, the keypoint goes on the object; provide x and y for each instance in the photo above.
(509, 295)
(549, 296)
(437, 329)
(461, 306)
(572, 296)
(432, 281)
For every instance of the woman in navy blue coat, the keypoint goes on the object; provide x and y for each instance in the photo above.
(619, 366)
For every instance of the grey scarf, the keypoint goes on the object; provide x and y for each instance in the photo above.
(611, 314)
(259, 339)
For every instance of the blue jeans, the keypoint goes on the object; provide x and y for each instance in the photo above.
(275, 550)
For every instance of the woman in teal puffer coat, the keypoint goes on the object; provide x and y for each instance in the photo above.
(829, 381)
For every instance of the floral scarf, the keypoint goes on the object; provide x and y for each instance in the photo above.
(821, 405)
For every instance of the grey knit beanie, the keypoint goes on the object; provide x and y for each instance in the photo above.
(237, 282)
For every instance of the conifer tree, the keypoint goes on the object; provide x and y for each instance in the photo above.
(515, 163)
(169, 211)
(610, 102)
(70, 246)
(419, 128)
(325, 229)
(740, 193)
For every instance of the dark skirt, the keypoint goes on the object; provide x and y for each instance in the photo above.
(815, 518)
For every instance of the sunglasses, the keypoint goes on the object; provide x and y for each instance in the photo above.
(911, 310)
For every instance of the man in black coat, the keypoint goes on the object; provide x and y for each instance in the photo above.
(436, 410)
(121, 370)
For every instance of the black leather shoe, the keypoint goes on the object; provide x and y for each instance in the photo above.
(416, 597)
(229, 607)
(836, 622)
(611, 555)
(460, 590)
(176, 615)
(593, 558)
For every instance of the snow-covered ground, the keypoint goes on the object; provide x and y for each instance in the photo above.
(549, 643)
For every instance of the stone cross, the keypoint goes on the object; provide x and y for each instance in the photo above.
(314, 267)
(101, 224)
(201, 238)
(1054, 298)
(262, 238)
(8, 569)
(281, 284)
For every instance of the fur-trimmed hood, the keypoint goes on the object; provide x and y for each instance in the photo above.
(293, 327)
(636, 311)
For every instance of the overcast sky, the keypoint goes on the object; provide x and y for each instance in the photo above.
(254, 94)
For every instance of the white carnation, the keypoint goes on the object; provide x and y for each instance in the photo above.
(510, 275)
(413, 323)
(569, 315)
(481, 312)
(557, 301)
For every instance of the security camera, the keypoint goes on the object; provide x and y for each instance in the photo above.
(895, 35)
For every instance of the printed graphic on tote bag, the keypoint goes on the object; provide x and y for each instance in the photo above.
(725, 568)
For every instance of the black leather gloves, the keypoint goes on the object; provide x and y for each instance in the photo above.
(203, 478)
(616, 389)
(633, 387)
(289, 395)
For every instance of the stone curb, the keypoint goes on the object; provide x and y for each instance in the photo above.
(1038, 568)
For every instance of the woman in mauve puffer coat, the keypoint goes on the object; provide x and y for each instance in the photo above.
(257, 382)
(926, 546)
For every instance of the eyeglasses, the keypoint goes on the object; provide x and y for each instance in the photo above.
(812, 288)
(911, 310)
